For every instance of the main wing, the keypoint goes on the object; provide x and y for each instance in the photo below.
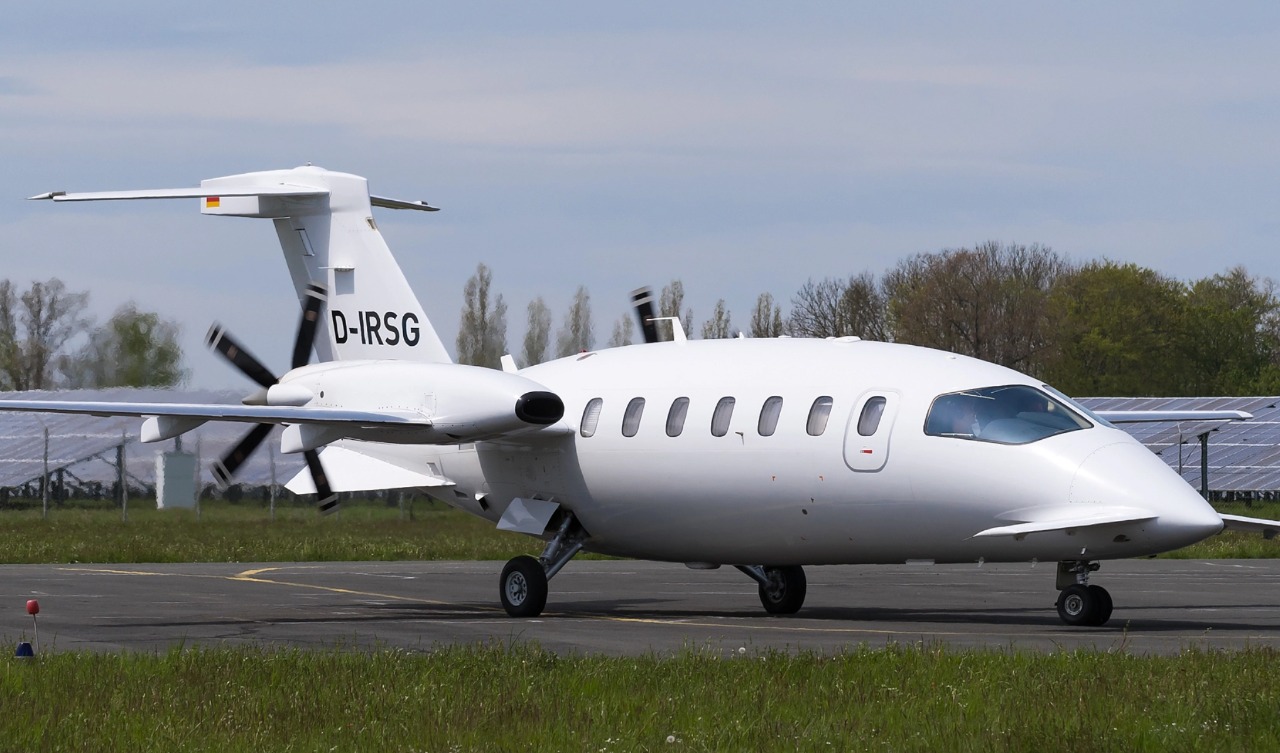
(1153, 416)
(166, 420)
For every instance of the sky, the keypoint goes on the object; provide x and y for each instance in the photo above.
(743, 147)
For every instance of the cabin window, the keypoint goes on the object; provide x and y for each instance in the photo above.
(818, 415)
(769, 416)
(591, 416)
(720, 419)
(676, 416)
(1010, 414)
(869, 421)
(631, 419)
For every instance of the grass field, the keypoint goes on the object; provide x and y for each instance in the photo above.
(226, 532)
(243, 532)
(521, 698)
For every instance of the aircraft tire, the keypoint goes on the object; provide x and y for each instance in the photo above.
(786, 592)
(523, 587)
(1104, 605)
(1079, 605)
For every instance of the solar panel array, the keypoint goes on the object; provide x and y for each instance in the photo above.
(1244, 456)
(85, 446)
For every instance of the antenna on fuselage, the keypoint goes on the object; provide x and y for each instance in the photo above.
(677, 328)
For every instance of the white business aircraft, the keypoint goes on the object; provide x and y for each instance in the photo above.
(767, 455)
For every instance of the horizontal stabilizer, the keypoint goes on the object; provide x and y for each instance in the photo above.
(1066, 518)
(183, 193)
(1268, 528)
(385, 203)
(1151, 416)
(352, 471)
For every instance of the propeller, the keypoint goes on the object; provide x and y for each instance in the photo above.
(229, 348)
(642, 300)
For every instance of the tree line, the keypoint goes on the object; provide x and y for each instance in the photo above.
(48, 342)
(1094, 328)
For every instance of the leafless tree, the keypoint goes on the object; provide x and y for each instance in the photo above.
(670, 304)
(766, 319)
(537, 338)
(719, 326)
(840, 308)
(623, 330)
(576, 335)
(34, 327)
(482, 333)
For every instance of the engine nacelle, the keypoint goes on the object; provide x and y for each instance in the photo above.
(462, 403)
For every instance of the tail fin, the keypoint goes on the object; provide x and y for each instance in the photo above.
(326, 228)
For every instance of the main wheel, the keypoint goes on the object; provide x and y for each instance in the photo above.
(786, 590)
(1104, 605)
(523, 587)
(1079, 605)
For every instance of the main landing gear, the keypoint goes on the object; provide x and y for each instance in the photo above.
(1078, 602)
(523, 587)
(782, 589)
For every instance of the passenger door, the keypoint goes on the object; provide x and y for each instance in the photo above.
(866, 439)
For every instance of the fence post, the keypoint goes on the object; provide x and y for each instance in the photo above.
(44, 515)
(122, 478)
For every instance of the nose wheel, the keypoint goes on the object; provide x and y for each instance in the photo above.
(1080, 604)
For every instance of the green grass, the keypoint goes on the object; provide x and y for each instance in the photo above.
(228, 532)
(368, 530)
(521, 698)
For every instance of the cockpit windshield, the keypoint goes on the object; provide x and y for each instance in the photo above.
(1012, 414)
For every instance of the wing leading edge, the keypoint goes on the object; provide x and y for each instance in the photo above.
(191, 415)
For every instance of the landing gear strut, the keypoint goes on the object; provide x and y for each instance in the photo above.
(1080, 603)
(523, 586)
(782, 589)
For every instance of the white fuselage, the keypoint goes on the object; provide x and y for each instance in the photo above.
(794, 498)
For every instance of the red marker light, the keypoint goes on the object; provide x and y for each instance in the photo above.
(867, 452)
(33, 607)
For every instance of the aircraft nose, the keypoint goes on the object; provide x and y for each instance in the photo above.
(1130, 475)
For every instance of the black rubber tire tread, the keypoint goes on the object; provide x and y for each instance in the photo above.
(1077, 605)
(790, 597)
(1104, 605)
(530, 585)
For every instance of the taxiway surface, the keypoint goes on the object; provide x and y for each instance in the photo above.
(622, 607)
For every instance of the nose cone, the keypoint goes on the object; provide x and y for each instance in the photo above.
(1129, 475)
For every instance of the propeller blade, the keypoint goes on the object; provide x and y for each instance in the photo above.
(642, 300)
(311, 306)
(326, 500)
(220, 340)
(225, 467)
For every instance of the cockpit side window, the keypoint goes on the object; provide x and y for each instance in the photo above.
(1011, 414)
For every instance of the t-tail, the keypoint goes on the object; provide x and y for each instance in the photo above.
(329, 236)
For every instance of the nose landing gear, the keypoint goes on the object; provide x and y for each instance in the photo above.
(1080, 604)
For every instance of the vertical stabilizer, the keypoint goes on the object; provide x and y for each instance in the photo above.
(330, 238)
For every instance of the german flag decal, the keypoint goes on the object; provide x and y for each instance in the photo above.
(212, 202)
